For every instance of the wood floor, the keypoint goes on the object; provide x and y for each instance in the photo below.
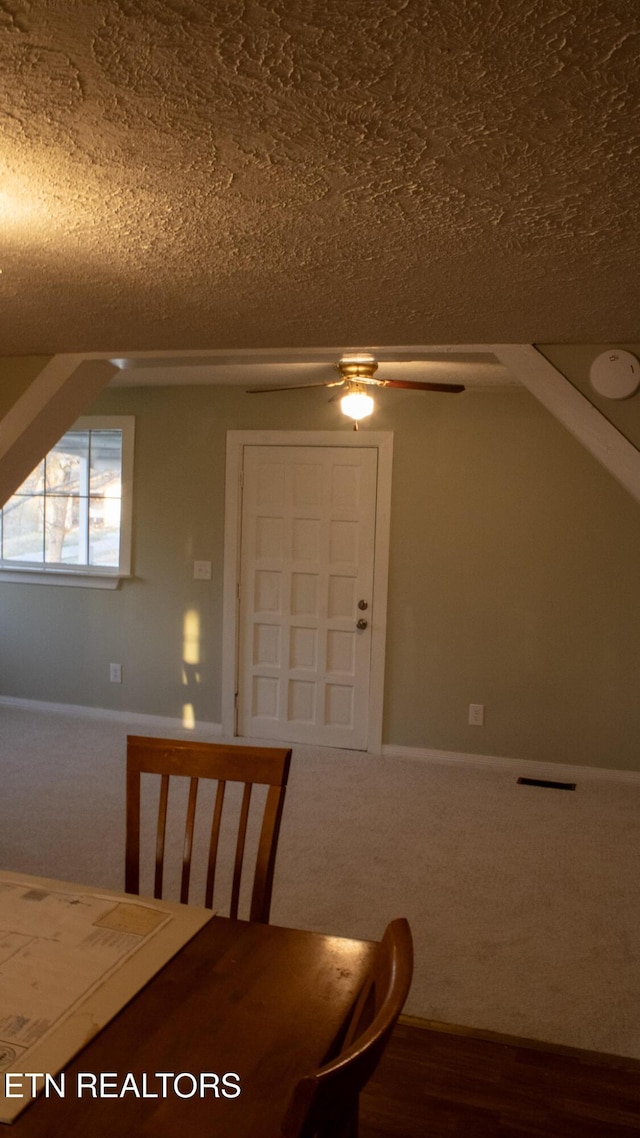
(442, 1083)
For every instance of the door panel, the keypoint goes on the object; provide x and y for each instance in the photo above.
(307, 545)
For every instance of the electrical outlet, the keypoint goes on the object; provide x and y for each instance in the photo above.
(115, 673)
(476, 714)
(202, 570)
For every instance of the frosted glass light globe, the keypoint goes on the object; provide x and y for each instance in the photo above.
(357, 405)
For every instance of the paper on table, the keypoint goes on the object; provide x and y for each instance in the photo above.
(70, 958)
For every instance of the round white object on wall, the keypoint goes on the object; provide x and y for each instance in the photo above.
(615, 374)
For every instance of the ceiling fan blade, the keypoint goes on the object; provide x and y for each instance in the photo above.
(451, 388)
(294, 386)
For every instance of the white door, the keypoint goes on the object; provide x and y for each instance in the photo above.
(306, 580)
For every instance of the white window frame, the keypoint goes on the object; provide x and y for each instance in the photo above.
(85, 576)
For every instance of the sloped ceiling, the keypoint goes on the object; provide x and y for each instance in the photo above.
(177, 174)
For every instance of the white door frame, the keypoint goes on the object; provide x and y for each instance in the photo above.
(382, 441)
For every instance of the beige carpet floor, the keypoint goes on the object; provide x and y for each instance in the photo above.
(524, 902)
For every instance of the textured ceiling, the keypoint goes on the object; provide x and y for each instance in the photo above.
(177, 174)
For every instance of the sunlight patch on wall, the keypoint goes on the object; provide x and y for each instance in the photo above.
(190, 662)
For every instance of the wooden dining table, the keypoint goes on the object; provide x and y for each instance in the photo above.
(214, 1043)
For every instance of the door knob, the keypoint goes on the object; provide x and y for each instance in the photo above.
(363, 605)
(361, 623)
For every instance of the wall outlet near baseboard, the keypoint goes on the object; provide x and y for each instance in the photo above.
(476, 714)
(115, 673)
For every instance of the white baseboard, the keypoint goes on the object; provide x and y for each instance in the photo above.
(527, 768)
(129, 718)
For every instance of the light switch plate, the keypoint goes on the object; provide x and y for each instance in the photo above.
(202, 570)
(476, 714)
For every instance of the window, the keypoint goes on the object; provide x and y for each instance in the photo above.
(70, 521)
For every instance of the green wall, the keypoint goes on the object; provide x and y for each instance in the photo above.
(514, 567)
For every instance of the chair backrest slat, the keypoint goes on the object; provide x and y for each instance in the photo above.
(265, 864)
(213, 844)
(161, 834)
(240, 844)
(222, 763)
(188, 841)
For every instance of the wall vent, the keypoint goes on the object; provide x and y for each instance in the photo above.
(548, 783)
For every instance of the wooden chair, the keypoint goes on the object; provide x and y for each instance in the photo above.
(247, 765)
(325, 1103)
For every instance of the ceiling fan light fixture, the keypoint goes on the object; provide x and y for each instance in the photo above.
(357, 404)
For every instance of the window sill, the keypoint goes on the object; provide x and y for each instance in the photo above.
(82, 579)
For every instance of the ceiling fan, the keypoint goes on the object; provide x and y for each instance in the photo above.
(356, 375)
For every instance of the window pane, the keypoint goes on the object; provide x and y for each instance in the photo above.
(34, 483)
(104, 531)
(23, 527)
(67, 464)
(106, 463)
(67, 513)
(66, 530)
